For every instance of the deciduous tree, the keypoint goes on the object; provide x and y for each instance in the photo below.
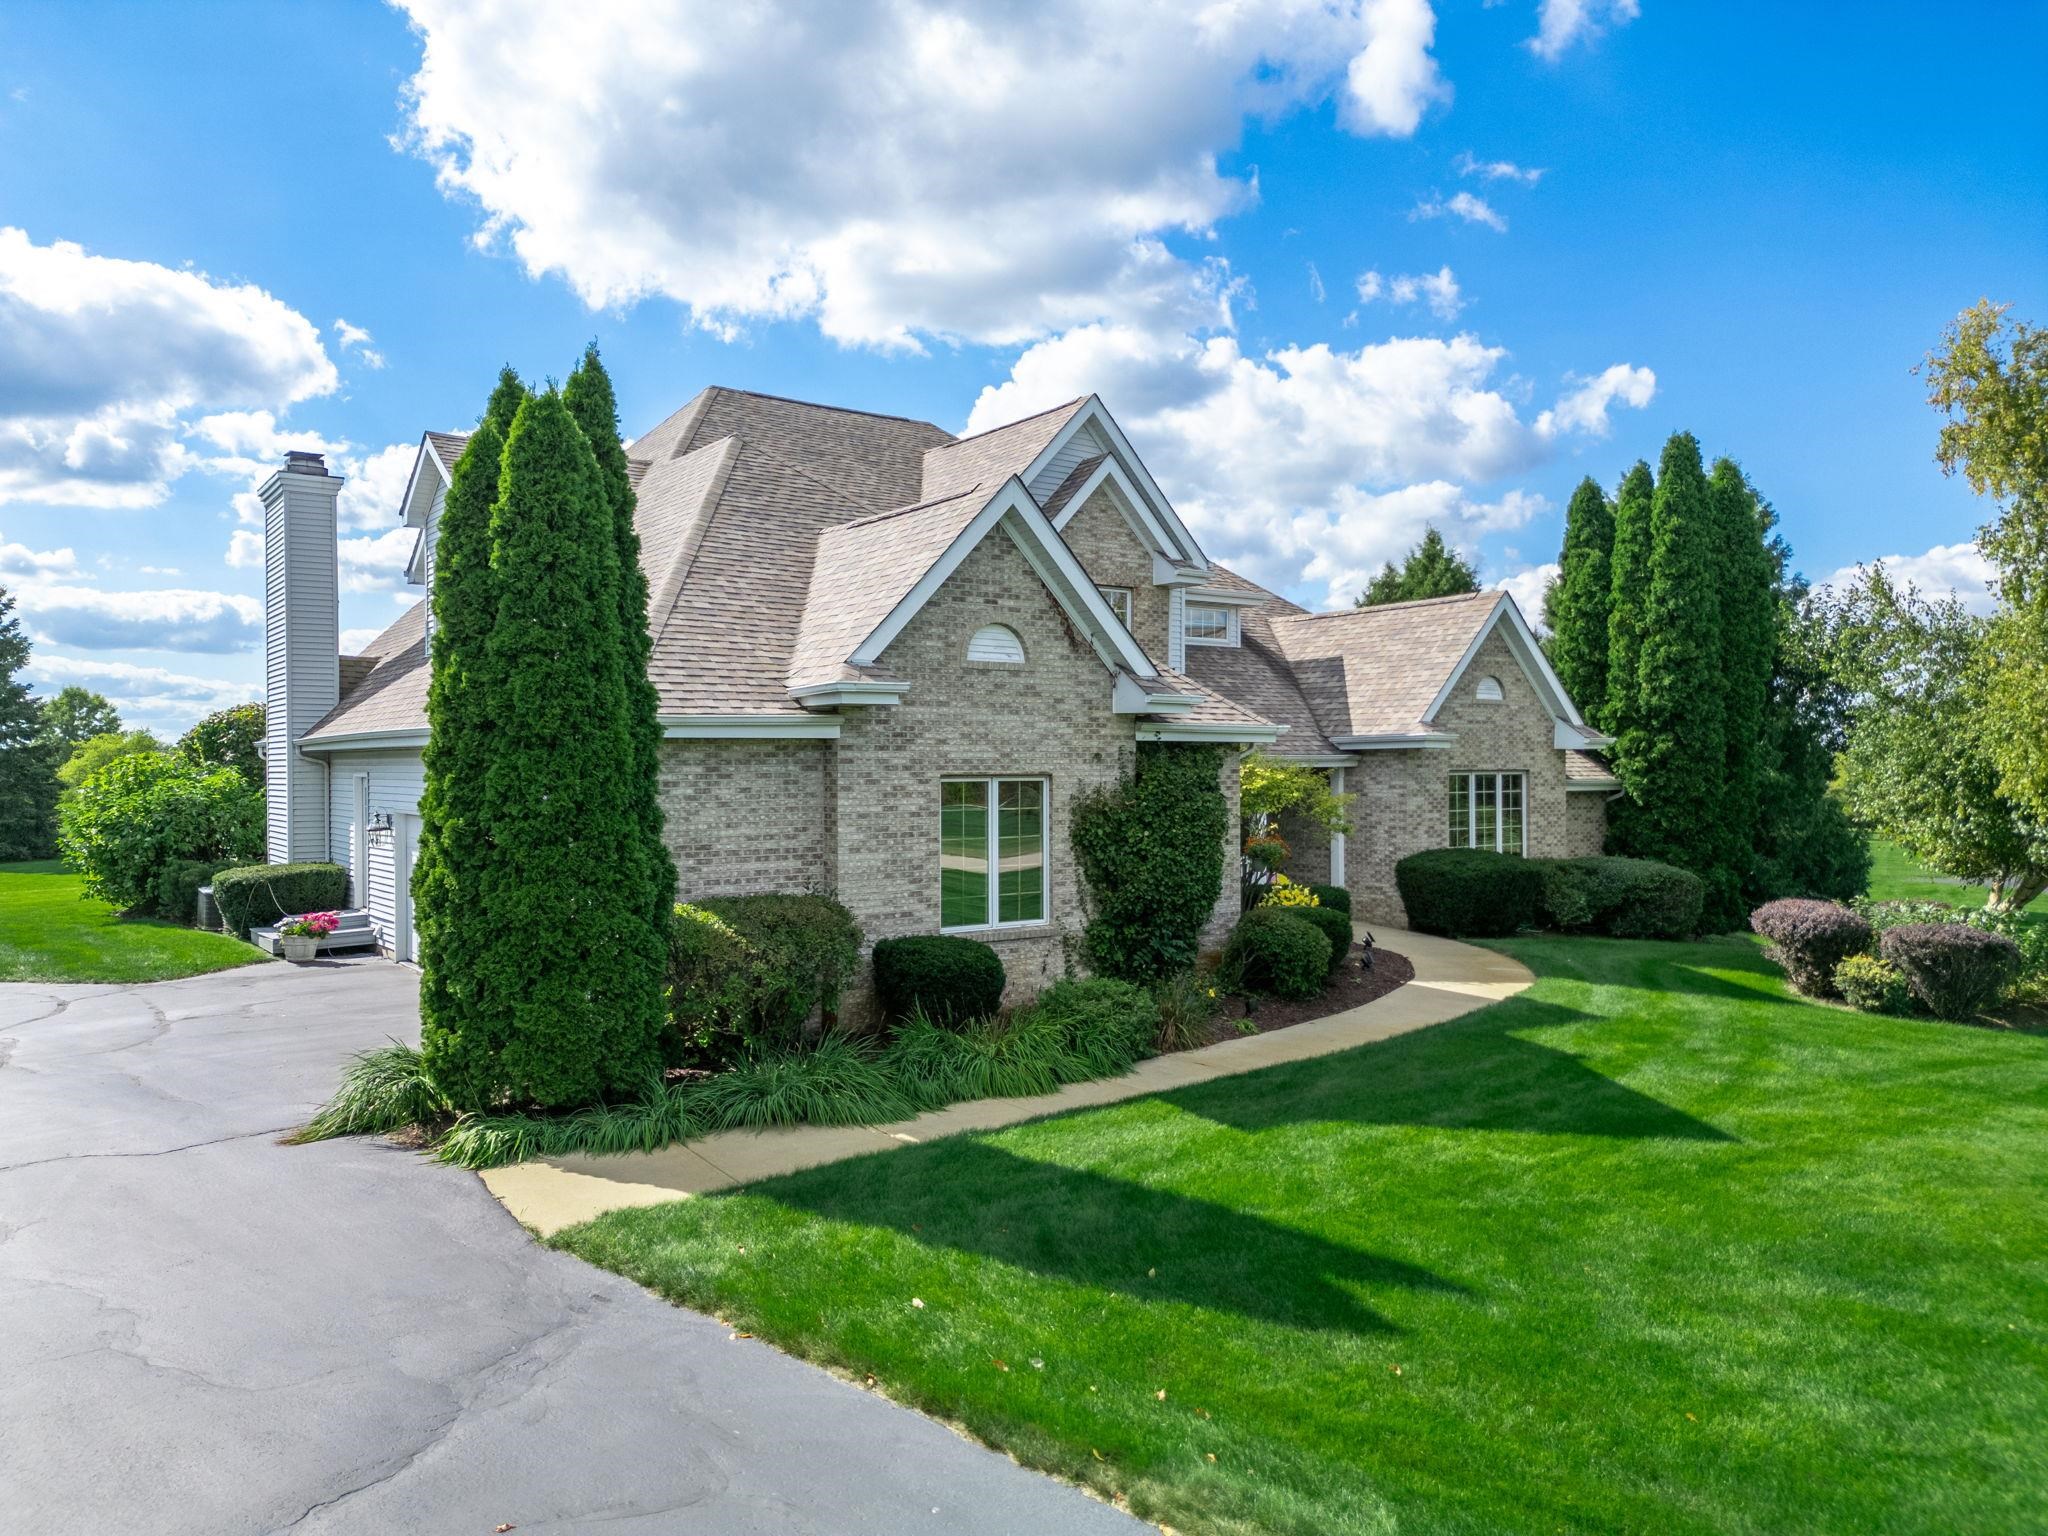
(229, 738)
(73, 714)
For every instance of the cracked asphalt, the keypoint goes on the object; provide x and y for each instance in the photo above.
(203, 1331)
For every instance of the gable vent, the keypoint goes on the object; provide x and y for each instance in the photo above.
(996, 642)
(1489, 690)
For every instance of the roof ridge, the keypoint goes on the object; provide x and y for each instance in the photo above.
(1413, 602)
(991, 431)
(844, 410)
(915, 506)
(797, 469)
(678, 575)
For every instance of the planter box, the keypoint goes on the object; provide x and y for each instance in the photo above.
(300, 948)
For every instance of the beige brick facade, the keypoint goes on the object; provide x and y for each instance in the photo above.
(1585, 823)
(1114, 557)
(746, 817)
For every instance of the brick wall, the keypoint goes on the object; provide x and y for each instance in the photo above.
(744, 817)
(1585, 823)
(1113, 556)
(1402, 797)
(1228, 904)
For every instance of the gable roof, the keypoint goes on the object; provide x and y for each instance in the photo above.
(1378, 671)
(990, 458)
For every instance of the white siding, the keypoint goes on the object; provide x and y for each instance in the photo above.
(1176, 635)
(301, 653)
(430, 539)
(396, 781)
(1083, 445)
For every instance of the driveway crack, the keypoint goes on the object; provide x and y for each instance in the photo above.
(190, 1146)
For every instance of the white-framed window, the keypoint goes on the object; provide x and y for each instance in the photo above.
(1488, 691)
(994, 850)
(1488, 810)
(1119, 600)
(997, 643)
(1209, 624)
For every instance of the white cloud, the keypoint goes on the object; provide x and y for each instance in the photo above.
(1316, 290)
(915, 171)
(245, 550)
(1463, 205)
(1560, 23)
(353, 338)
(144, 695)
(376, 562)
(1584, 408)
(353, 640)
(20, 560)
(103, 360)
(1439, 291)
(374, 485)
(1527, 588)
(1467, 164)
(1947, 568)
(166, 619)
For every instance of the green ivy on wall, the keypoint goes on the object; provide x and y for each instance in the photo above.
(1151, 857)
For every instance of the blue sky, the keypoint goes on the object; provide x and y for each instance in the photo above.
(1340, 270)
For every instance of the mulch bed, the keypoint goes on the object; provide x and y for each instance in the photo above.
(1352, 986)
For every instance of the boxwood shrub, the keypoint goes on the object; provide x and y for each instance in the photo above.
(947, 978)
(1333, 896)
(1809, 939)
(1955, 970)
(1334, 926)
(1467, 892)
(256, 895)
(1278, 950)
(1872, 985)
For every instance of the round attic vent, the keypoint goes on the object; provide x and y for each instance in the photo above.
(996, 642)
(1488, 691)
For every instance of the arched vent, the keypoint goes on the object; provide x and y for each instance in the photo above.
(996, 642)
(1488, 691)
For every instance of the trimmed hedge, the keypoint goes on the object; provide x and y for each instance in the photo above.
(1955, 970)
(177, 887)
(1334, 926)
(1467, 892)
(1278, 950)
(1809, 939)
(1623, 898)
(1332, 896)
(949, 979)
(256, 895)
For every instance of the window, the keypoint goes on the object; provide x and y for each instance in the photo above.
(1486, 812)
(991, 866)
(998, 643)
(1209, 624)
(1119, 600)
(1488, 691)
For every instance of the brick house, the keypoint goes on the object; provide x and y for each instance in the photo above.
(889, 659)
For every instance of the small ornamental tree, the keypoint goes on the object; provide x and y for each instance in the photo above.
(1575, 608)
(1432, 569)
(572, 955)
(139, 815)
(455, 845)
(588, 394)
(1630, 591)
(229, 738)
(28, 786)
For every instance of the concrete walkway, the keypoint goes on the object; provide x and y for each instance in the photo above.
(550, 1194)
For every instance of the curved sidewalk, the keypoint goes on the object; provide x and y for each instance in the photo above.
(552, 1193)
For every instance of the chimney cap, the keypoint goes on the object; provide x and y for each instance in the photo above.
(299, 462)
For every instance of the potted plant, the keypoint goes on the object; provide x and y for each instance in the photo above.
(302, 935)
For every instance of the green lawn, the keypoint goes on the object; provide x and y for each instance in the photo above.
(1896, 877)
(1654, 1247)
(48, 933)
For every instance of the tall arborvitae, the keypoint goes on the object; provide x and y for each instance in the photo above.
(574, 957)
(1747, 582)
(590, 399)
(1629, 591)
(1576, 607)
(455, 844)
(1672, 755)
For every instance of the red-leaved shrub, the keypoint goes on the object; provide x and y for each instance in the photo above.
(1809, 939)
(1955, 970)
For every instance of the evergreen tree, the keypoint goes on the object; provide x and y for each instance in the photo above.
(1575, 608)
(1672, 757)
(1629, 593)
(573, 956)
(28, 781)
(1432, 569)
(1749, 643)
(455, 843)
(588, 394)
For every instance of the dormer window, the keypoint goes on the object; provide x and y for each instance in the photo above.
(997, 643)
(1119, 600)
(1488, 691)
(1209, 624)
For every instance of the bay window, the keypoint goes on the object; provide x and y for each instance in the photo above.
(992, 852)
(1487, 811)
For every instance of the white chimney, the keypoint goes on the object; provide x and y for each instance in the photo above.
(301, 649)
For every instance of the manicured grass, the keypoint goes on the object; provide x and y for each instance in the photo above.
(1894, 876)
(1654, 1247)
(48, 933)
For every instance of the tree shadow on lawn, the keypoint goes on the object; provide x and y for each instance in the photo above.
(1477, 1073)
(1089, 1229)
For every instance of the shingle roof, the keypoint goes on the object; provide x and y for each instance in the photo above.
(448, 447)
(391, 694)
(1587, 768)
(1376, 671)
(1255, 673)
(989, 458)
(1214, 708)
(1070, 487)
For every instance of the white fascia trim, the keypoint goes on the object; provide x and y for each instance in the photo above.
(1191, 730)
(1522, 641)
(364, 741)
(1321, 760)
(1110, 472)
(1055, 565)
(836, 695)
(1577, 737)
(1166, 572)
(1093, 410)
(1395, 741)
(414, 510)
(1602, 785)
(1129, 698)
(748, 728)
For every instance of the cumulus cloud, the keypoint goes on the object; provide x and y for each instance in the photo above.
(1468, 164)
(1438, 290)
(353, 338)
(20, 560)
(104, 362)
(1584, 406)
(916, 171)
(1460, 205)
(166, 619)
(1528, 587)
(1561, 23)
(148, 696)
(376, 562)
(1947, 568)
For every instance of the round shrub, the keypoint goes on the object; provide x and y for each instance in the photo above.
(1334, 926)
(1872, 984)
(711, 987)
(1643, 899)
(1469, 892)
(130, 821)
(1278, 950)
(807, 947)
(1334, 896)
(1955, 970)
(1809, 939)
(949, 979)
(256, 895)
(1567, 901)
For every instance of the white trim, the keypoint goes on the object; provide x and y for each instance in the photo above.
(1522, 643)
(992, 780)
(364, 741)
(1109, 594)
(749, 728)
(1129, 697)
(1130, 503)
(1211, 732)
(1472, 776)
(1231, 628)
(1578, 738)
(1574, 786)
(997, 645)
(860, 691)
(1217, 597)
(359, 845)
(417, 518)
(1093, 410)
(1168, 573)
(1395, 741)
(1338, 843)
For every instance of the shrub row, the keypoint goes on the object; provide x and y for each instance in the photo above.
(256, 895)
(1954, 966)
(1810, 939)
(1471, 893)
(943, 977)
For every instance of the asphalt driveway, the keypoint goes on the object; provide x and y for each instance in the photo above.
(203, 1331)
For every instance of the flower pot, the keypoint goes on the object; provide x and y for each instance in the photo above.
(299, 948)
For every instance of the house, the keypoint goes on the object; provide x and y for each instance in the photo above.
(888, 659)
